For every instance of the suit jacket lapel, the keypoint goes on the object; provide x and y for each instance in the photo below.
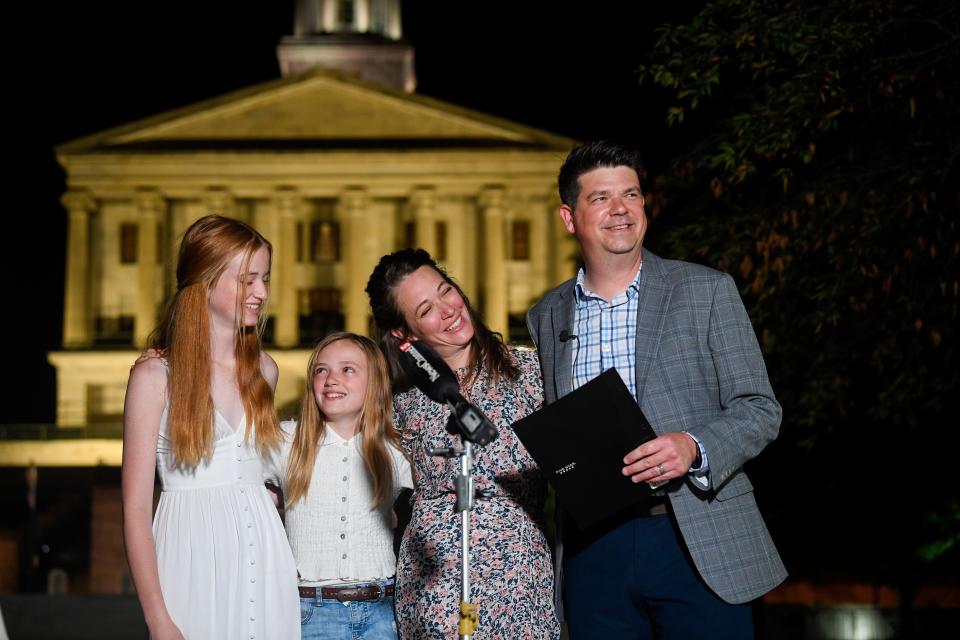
(652, 310)
(562, 317)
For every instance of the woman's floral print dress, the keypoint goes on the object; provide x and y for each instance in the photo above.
(511, 575)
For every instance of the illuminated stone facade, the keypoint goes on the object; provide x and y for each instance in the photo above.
(335, 172)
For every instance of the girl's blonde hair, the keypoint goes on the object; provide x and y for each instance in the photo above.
(376, 425)
(208, 246)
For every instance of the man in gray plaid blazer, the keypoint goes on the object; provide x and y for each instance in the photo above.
(680, 338)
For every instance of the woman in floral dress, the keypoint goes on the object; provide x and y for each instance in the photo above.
(511, 577)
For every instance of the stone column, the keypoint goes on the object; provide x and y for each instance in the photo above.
(217, 200)
(540, 245)
(563, 263)
(77, 317)
(328, 17)
(284, 290)
(150, 207)
(352, 210)
(394, 26)
(71, 397)
(361, 16)
(423, 203)
(494, 285)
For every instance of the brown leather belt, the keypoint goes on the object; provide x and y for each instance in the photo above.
(657, 509)
(655, 506)
(347, 594)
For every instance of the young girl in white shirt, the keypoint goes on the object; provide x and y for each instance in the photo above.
(340, 470)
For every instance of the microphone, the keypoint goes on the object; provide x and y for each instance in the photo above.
(429, 373)
(566, 336)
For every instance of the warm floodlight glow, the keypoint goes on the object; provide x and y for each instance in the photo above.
(854, 622)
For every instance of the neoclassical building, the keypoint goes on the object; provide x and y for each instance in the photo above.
(335, 171)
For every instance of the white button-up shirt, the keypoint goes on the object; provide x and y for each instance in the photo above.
(336, 534)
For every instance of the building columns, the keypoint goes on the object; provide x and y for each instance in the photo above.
(219, 201)
(353, 212)
(77, 318)
(284, 289)
(495, 269)
(423, 203)
(150, 207)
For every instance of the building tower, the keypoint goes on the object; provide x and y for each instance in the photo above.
(359, 37)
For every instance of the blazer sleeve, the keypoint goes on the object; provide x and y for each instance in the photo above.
(750, 415)
(543, 339)
(533, 327)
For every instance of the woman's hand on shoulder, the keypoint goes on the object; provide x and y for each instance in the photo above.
(269, 369)
(150, 354)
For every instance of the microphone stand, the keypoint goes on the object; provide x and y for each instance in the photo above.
(469, 617)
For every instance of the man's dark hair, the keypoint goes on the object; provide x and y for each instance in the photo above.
(590, 156)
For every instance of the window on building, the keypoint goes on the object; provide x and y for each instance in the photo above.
(320, 313)
(440, 230)
(161, 244)
(520, 246)
(517, 332)
(128, 243)
(114, 330)
(105, 403)
(324, 241)
(441, 251)
(345, 14)
(268, 331)
(299, 242)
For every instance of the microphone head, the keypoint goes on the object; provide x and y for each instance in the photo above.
(428, 372)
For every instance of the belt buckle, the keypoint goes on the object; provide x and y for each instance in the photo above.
(344, 594)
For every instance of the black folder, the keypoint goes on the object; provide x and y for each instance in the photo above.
(579, 442)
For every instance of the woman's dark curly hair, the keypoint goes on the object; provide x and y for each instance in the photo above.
(488, 351)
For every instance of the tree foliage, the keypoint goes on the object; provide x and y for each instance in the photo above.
(823, 174)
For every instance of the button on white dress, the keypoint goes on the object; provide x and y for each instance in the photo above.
(225, 566)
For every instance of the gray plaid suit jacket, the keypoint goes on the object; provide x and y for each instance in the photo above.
(699, 369)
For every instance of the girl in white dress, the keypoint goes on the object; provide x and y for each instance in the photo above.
(215, 563)
(341, 469)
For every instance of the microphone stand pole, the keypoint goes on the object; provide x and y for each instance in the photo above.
(469, 617)
(465, 497)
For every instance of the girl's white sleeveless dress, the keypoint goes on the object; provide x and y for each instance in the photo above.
(226, 570)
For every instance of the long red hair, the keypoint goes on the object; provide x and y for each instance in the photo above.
(208, 246)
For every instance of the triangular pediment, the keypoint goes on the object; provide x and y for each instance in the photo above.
(320, 109)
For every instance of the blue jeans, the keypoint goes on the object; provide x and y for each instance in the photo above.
(330, 619)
